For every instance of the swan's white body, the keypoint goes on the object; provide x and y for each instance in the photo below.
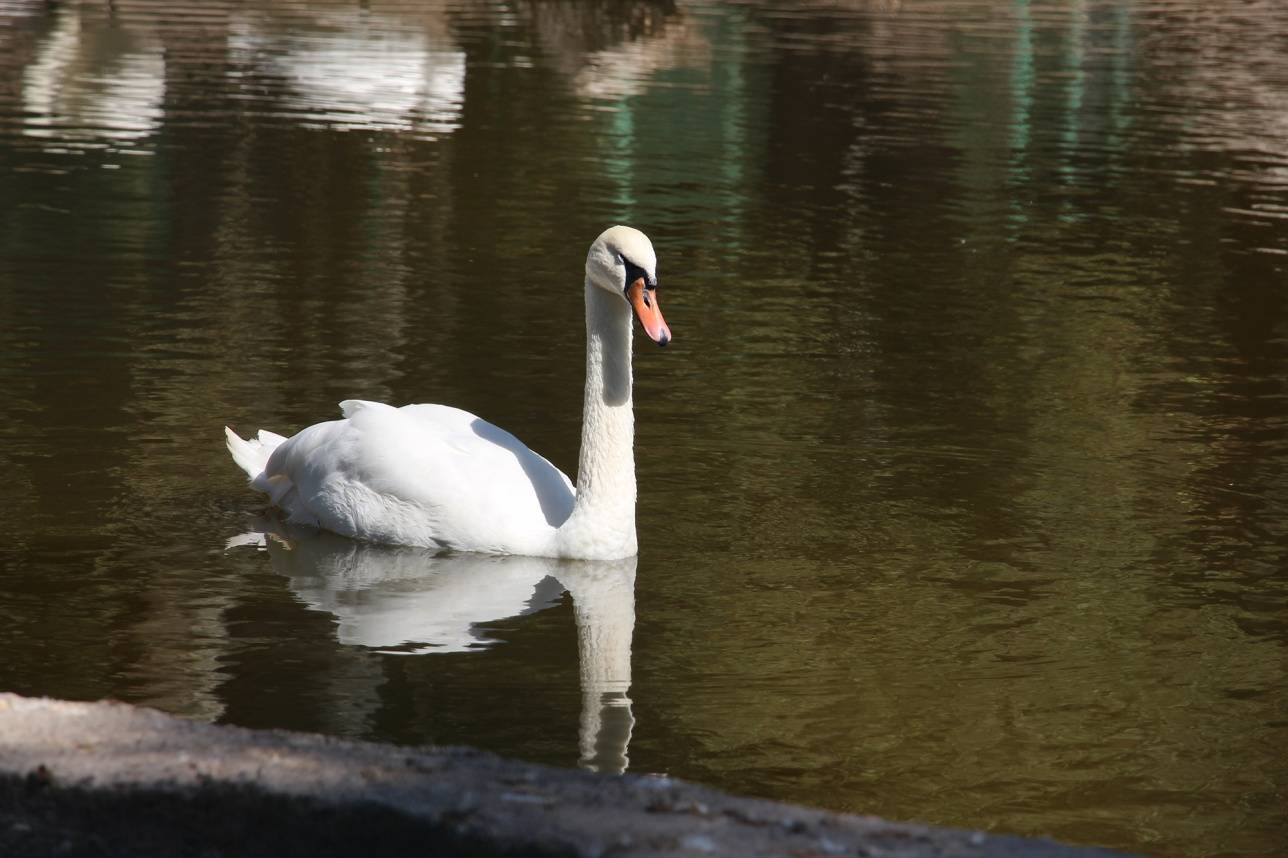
(426, 475)
(439, 477)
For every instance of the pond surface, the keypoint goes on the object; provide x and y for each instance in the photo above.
(963, 487)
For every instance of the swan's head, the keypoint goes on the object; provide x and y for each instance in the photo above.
(622, 261)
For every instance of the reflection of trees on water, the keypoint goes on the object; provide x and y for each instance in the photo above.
(93, 83)
(988, 257)
(982, 300)
(350, 68)
(613, 50)
(940, 214)
(99, 71)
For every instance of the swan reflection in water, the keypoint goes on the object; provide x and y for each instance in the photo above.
(413, 601)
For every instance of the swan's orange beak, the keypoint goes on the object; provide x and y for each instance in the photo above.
(644, 300)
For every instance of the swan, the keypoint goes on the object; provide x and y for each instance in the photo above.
(438, 477)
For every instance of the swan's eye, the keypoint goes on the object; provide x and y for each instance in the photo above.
(633, 273)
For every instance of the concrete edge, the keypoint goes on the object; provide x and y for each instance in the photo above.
(108, 779)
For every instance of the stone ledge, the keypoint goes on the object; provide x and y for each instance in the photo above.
(107, 779)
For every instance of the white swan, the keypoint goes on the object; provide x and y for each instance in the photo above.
(439, 477)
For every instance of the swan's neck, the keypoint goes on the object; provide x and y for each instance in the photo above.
(602, 524)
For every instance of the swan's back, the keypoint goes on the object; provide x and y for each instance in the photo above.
(427, 475)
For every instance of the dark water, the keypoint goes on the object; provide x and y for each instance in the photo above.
(963, 488)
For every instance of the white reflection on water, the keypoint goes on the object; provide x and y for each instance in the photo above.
(406, 600)
(352, 69)
(93, 84)
(412, 601)
(627, 69)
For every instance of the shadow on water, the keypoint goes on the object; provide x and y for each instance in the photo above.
(414, 602)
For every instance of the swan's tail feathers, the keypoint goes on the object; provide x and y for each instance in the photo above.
(270, 440)
(251, 456)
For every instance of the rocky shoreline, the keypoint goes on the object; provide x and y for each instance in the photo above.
(108, 779)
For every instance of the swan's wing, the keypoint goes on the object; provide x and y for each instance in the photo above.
(422, 475)
(351, 407)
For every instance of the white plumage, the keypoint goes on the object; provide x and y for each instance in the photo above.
(439, 477)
